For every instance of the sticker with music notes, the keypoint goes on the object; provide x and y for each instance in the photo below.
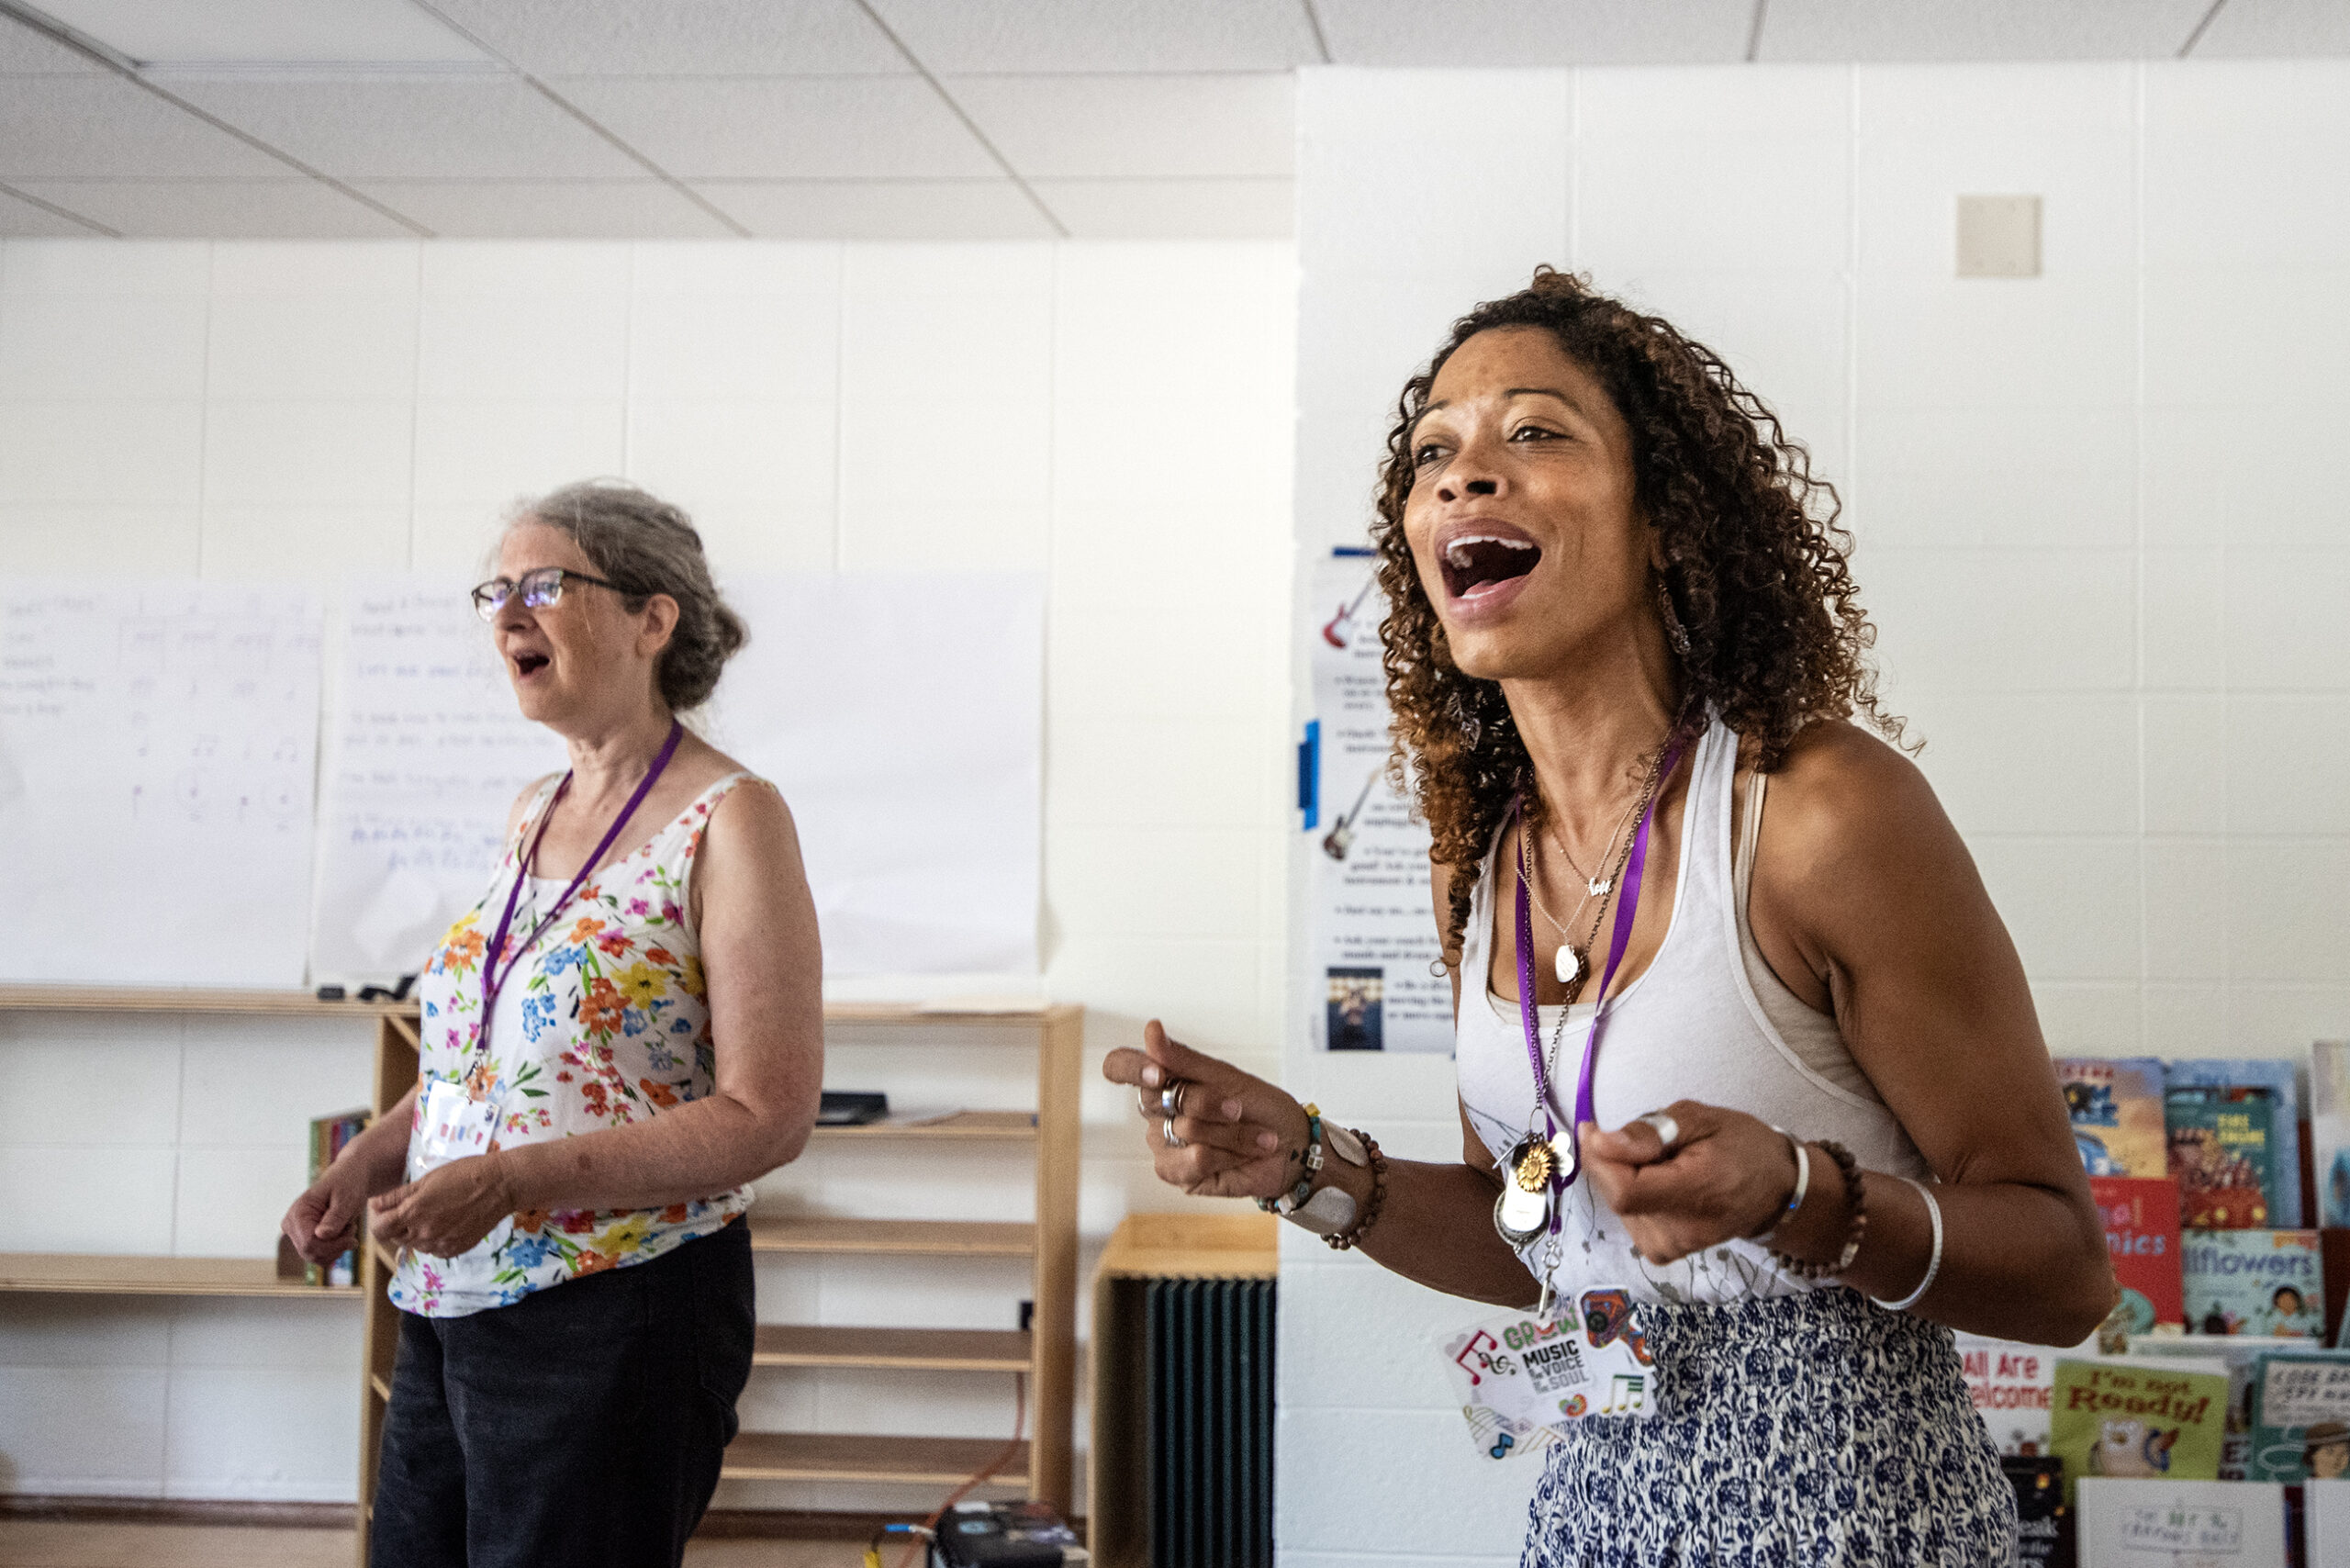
(1523, 1380)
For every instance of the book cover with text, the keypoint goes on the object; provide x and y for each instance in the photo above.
(2137, 1419)
(2221, 1157)
(2280, 1079)
(2140, 1218)
(2300, 1417)
(2254, 1282)
(2179, 1524)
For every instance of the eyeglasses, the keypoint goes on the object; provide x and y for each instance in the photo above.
(538, 588)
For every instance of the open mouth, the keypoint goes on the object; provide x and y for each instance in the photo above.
(1477, 561)
(527, 664)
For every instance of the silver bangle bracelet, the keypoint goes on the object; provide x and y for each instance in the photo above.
(1803, 1185)
(1933, 1262)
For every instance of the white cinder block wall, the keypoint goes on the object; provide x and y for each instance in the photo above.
(1117, 417)
(2100, 519)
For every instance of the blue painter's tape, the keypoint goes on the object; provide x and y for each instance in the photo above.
(1348, 552)
(1309, 774)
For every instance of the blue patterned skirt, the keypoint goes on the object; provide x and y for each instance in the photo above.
(1799, 1431)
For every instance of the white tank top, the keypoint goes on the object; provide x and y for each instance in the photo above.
(1707, 1021)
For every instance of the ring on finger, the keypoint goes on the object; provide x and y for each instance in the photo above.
(1167, 1131)
(1170, 1098)
(1142, 1102)
(1667, 1129)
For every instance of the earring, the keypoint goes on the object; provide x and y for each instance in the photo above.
(1675, 633)
(1464, 715)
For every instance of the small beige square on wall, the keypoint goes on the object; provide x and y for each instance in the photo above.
(1999, 236)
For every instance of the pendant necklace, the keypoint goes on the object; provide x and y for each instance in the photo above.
(1539, 1168)
(1570, 962)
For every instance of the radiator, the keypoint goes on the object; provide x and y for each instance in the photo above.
(1210, 1347)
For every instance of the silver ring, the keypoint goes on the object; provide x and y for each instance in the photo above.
(1167, 1131)
(1142, 1102)
(1666, 1128)
(1170, 1098)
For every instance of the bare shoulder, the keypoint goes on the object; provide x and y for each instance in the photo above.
(521, 807)
(752, 821)
(1841, 798)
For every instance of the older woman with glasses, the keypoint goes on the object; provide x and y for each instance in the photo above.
(623, 1034)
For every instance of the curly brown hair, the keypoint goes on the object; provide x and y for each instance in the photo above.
(1756, 564)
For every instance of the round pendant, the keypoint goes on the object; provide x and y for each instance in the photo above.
(1533, 1169)
(1520, 1216)
(1570, 964)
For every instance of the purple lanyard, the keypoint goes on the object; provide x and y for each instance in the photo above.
(1626, 909)
(492, 981)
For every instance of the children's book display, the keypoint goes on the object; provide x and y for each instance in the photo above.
(2183, 1452)
(2043, 1524)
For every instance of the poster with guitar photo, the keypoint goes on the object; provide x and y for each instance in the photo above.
(1377, 986)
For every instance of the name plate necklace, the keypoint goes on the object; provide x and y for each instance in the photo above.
(1571, 959)
(492, 978)
(1540, 1170)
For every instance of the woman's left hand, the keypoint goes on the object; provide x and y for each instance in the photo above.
(1726, 1178)
(444, 1212)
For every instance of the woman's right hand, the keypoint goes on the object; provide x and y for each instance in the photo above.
(322, 1224)
(1238, 1135)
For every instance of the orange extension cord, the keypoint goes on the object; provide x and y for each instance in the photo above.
(1019, 1424)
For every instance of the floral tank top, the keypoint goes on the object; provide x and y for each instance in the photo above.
(603, 1023)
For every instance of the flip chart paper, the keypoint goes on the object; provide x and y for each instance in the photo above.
(157, 745)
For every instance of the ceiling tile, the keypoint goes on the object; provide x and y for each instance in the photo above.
(24, 51)
(1536, 32)
(252, 31)
(2275, 29)
(21, 220)
(76, 126)
(1921, 30)
(785, 127)
(377, 127)
(293, 208)
(712, 38)
(880, 210)
(1172, 210)
(953, 36)
(1210, 126)
(547, 210)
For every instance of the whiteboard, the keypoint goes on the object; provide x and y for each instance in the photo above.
(426, 753)
(901, 714)
(157, 744)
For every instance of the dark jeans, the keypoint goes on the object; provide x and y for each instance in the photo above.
(583, 1425)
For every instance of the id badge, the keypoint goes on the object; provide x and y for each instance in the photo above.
(1523, 1381)
(454, 1126)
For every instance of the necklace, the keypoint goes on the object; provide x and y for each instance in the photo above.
(1599, 886)
(1571, 964)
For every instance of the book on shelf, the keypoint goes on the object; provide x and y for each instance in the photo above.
(2327, 1520)
(2239, 1357)
(2137, 1417)
(2174, 1522)
(2116, 1104)
(2254, 1282)
(2222, 1157)
(2141, 1218)
(2010, 1384)
(328, 1136)
(2280, 1079)
(2301, 1416)
(2330, 1129)
(2043, 1537)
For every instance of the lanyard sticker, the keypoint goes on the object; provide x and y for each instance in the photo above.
(1523, 1380)
(454, 1125)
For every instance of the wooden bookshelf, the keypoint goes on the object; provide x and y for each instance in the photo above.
(88, 1274)
(964, 1125)
(914, 1350)
(840, 1456)
(921, 1238)
(159, 999)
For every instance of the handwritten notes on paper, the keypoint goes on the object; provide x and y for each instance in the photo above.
(157, 744)
(428, 752)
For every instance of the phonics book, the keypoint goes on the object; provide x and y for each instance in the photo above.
(2140, 1218)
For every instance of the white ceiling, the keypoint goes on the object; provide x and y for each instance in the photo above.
(848, 119)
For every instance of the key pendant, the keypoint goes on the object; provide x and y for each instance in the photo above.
(1570, 964)
(1550, 1302)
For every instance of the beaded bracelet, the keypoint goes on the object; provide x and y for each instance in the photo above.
(1345, 1239)
(1856, 1205)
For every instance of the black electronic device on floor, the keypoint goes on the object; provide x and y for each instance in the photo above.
(1005, 1535)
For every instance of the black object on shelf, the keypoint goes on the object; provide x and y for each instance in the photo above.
(851, 1107)
(330, 993)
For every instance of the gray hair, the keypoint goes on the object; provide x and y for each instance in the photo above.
(647, 547)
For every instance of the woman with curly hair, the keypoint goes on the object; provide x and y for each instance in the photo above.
(1619, 621)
